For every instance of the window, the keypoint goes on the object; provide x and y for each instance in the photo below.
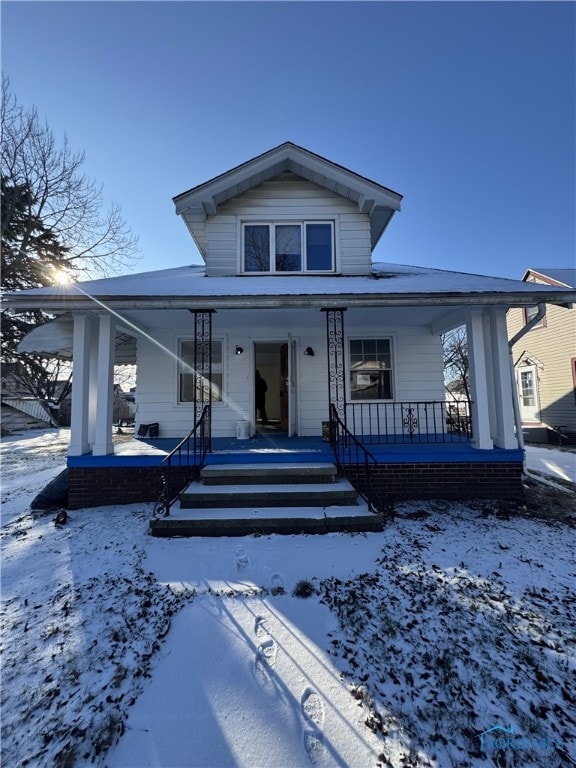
(288, 247)
(528, 388)
(371, 369)
(529, 313)
(186, 376)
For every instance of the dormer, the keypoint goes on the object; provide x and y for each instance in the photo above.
(287, 211)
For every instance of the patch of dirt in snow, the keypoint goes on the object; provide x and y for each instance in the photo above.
(467, 623)
(81, 620)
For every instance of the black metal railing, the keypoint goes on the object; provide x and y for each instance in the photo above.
(353, 460)
(189, 454)
(433, 421)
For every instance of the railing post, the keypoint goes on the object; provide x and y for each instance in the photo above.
(336, 360)
(202, 363)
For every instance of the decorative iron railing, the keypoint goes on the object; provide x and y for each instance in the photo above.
(189, 456)
(432, 421)
(353, 460)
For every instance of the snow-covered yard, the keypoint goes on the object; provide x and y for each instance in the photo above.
(426, 644)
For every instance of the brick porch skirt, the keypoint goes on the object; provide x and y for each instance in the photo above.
(490, 480)
(103, 486)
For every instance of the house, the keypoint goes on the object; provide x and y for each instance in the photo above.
(545, 362)
(349, 348)
(20, 410)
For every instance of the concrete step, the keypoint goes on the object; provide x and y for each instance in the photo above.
(200, 496)
(273, 473)
(183, 521)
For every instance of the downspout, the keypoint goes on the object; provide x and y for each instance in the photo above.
(515, 403)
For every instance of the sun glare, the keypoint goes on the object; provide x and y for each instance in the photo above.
(62, 277)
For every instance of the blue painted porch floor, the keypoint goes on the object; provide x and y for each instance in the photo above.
(274, 448)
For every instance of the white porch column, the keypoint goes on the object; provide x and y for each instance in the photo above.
(478, 381)
(106, 352)
(81, 353)
(503, 433)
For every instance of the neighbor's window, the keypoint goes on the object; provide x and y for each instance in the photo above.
(291, 247)
(371, 369)
(531, 312)
(187, 379)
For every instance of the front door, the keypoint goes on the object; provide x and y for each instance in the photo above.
(527, 383)
(275, 363)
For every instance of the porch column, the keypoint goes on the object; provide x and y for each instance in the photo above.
(478, 381)
(83, 344)
(202, 365)
(336, 358)
(106, 353)
(503, 433)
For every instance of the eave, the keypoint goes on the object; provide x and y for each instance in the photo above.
(21, 303)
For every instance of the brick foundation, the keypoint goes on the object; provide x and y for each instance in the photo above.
(102, 486)
(394, 482)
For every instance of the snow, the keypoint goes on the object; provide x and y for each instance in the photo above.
(387, 279)
(121, 650)
(552, 462)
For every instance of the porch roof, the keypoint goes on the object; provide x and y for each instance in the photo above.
(389, 285)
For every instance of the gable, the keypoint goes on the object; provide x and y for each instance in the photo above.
(377, 202)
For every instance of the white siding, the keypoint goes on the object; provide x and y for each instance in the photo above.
(417, 364)
(288, 198)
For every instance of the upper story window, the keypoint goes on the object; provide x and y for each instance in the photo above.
(530, 313)
(306, 246)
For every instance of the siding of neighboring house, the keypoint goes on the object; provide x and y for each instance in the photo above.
(553, 346)
(417, 363)
(289, 198)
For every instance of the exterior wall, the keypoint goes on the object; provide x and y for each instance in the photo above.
(553, 345)
(289, 198)
(417, 357)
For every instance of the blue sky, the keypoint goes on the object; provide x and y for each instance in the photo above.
(465, 108)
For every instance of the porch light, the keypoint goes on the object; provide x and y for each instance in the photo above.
(309, 352)
(239, 350)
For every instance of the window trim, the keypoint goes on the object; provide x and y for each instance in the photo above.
(287, 221)
(178, 345)
(391, 337)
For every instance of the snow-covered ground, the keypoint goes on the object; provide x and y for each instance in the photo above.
(419, 646)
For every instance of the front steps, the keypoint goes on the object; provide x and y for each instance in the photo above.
(243, 499)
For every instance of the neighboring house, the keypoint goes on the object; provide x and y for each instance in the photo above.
(545, 362)
(289, 288)
(20, 410)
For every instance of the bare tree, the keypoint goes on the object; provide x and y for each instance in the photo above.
(53, 224)
(456, 363)
(45, 188)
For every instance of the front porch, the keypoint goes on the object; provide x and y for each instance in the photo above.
(453, 470)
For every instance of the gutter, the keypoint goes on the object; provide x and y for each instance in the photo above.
(515, 399)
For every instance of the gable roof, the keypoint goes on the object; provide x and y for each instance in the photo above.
(553, 275)
(196, 204)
